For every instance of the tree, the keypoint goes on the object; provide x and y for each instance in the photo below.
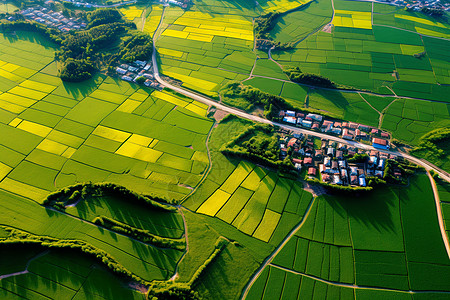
(140, 80)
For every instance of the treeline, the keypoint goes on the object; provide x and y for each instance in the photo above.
(263, 25)
(183, 290)
(434, 147)
(296, 75)
(140, 234)
(259, 144)
(52, 34)
(136, 47)
(405, 167)
(82, 191)
(341, 189)
(255, 97)
(20, 237)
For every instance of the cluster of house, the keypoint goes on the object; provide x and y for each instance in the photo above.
(346, 130)
(139, 68)
(418, 5)
(330, 163)
(181, 3)
(53, 19)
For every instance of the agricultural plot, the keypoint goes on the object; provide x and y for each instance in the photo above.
(368, 242)
(152, 19)
(254, 200)
(345, 106)
(444, 197)
(206, 50)
(63, 274)
(63, 141)
(372, 56)
(409, 120)
(296, 25)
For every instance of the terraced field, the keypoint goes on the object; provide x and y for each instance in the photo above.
(372, 54)
(256, 201)
(367, 242)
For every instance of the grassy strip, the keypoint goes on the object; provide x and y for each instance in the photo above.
(139, 234)
(258, 149)
(68, 195)
(183, 290)
(434, 147)
(341, 189)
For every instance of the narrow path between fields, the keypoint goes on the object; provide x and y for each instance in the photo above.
(277, 250)
(380, 119)
(26, 267)
(439, 213)
(354, 286)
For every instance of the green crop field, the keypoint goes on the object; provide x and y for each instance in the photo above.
(340, 242)
(112, 190)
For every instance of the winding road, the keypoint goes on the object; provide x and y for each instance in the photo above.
(201, 98)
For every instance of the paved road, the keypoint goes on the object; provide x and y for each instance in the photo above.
(428, 166)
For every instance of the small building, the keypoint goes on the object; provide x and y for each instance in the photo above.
(290, 113)
(374, 131)
(315, 125)
(307, 123)
(292, 142)
(353, 171)
(380, 143)
(327, 162)
(326, 178)
(290, 120)
(308, 161)
(281, 113)
(121, 71)
(379, 173)
(334, 165)
(318, 154)
(339, 154)
(337, 179)
(385, 135)
(342, 164)
(362, 181)
(315, 117)
(381, 163)
(312, 171)
(297, 161)
(346, 135)
(331, 152)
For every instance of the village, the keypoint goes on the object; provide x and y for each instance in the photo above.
(332, 162)
(346, 130)
(138, 69)
(54, 19)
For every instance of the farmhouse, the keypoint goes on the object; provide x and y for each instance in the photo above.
(312, 171)
(380, 143)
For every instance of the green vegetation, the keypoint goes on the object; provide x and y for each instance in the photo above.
(259, 144)
(434, 147)
(298, 76)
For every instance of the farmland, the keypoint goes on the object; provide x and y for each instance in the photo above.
(340, 242)
(108, 188)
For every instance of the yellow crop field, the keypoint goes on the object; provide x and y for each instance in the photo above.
(170, 98)
(131, 12)
(4, 170)
(237, 177)
(432, 32)
(69, 152)
(267, 226)
(153, 19)
(21, 91)
(411, 49)
(165, 178)
(38, 86)
(138, 96)
(34, 128)
(200, 37)
(358, 19)
(195, 82)
(11, 107)
(128, 106)
(175, 33)
(196, 109)
(200, 156)
(52, 147)
(140, 140)
(15, 122)
(282, 5)
(244, 36)
(130, 149)
(10, 76)
(111, 134)
(170, 52)
(9, 67)
(65, 138)
(22, 101)
(23, 189)
(153, 143)
(214, 203)
(420, 20)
